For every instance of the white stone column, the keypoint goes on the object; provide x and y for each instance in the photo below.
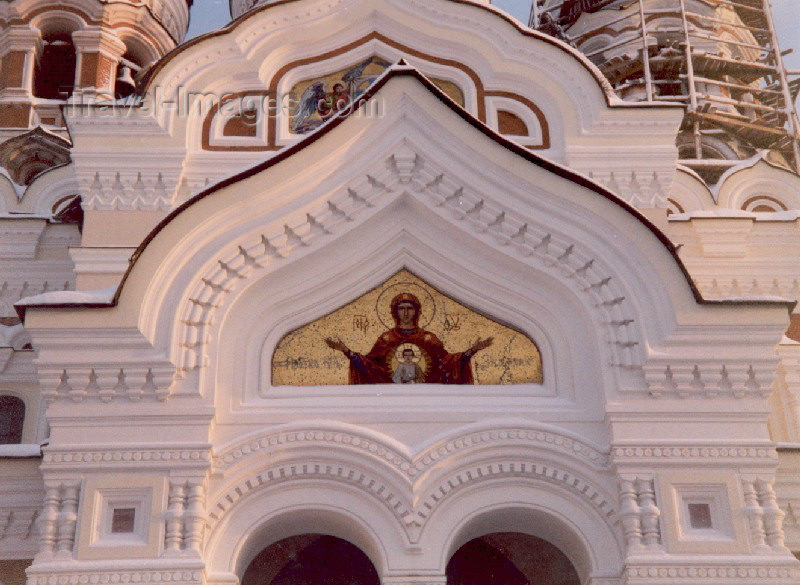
(630, 513)
(48, 522)
(773, 515)
(98, 52)
(755, 518)
(174, 523)
(19, 52)
(195, 518)
(67, 520)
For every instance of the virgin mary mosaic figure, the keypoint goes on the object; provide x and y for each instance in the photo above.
(408, 353)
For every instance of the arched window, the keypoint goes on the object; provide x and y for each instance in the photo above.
(55, 74)
(133, 65)
(12, 417)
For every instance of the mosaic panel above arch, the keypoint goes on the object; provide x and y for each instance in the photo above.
(315, 100)
(405, 332)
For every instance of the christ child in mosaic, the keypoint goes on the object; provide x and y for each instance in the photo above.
(427, 353)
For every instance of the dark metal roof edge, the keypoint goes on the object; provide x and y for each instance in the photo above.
(402, 69)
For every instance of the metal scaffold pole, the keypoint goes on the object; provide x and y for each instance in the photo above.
(791, 112)
(648, 78)
(728, 80)
(533, 19)
(698, 147)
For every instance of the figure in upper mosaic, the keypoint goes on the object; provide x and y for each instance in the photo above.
(321, 98)
(405, 332)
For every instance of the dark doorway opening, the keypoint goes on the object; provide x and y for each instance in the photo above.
(510, 558)
(311, 559)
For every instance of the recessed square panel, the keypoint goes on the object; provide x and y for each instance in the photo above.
(700, 516)
(122, 520)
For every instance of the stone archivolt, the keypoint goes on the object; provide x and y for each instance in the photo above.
(411, 486)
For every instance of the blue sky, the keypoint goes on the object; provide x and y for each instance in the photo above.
(208, 15)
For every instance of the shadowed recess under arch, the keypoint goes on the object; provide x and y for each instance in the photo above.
(311, 559)
(510, 558)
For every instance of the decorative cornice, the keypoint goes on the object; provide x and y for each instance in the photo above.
(89, 458)
(105, 384)
(724, 573)
(668, 453)
(89, 577)
(691, 379)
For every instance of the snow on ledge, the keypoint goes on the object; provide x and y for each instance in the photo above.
(20, 451)
(754, 299)
(104, 296)
(791, 215)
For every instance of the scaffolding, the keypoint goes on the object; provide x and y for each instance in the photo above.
(722, 60)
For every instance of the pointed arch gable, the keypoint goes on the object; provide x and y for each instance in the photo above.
(493, 49)
(515, 209)
(240, 22)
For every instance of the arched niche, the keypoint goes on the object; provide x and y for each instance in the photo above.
(526, 301)
(746, 187)
(311, 559)
(55, 74)
(524, 241)
(270, 40)
(413, 509)
(516, 237)
(689, 193)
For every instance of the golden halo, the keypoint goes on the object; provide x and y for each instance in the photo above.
(427, 303)
(419, 356)
(398, 353)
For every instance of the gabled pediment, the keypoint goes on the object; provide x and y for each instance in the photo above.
(411, 180)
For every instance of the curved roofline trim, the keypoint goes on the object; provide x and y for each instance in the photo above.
(401, 68)
(612, 99)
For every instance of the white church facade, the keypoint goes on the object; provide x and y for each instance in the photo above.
(159, 250)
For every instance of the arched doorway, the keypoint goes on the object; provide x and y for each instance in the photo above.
(311, 559)
(510, 558)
